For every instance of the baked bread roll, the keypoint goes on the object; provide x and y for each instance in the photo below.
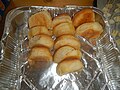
(66, 52)
(89, 30)
(69, 66)
(40, 54)
(63, 29)
(42, 18)
(83, 16)
(41, 40)
(38, 30)
(68, 40)
(62, 18)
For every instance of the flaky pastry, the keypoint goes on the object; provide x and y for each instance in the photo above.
(42, 18)
(83, 16)
(63, 29)
(38, 30)
(41, 40)
(67, 40)
(40, 54)
(89, 30)
(66, 52)
(69, 66)
(62, 18)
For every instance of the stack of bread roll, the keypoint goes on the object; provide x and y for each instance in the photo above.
(40, 37)
(67, 52)
(67, 47)
(86, 25)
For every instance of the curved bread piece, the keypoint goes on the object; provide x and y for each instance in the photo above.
(62, 18)
(66, 52)
(41, 40)
(40, 54)
(69, 66)
(68, 40)
(41, 18)
(63, 29)
(83, 16)
(38, 30)
(89, 30)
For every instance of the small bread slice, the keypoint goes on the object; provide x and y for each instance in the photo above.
(90, 30)
(83, 16)
(40, 54)
(62, 18)
(63, 29)
(41, 40)
(69, 66)
(38, 30)
(66, 52)
(67, 40)
(42, 18)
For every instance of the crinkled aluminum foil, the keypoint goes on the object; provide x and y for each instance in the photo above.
(101, 62)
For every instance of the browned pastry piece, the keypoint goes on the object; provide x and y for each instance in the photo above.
(68, 40)
(83, 16)
(42, 18)
(66, 52)
(63, 29)
(38, 30)
(69, 66)
(40, 54)
(62, 18)
(89, 30)
(41, 40)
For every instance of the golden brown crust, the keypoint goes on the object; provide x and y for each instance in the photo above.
(69, 66)
(40, 54)
(63, 29)
(83, 16)
(67, 40)
(89, 30)
(62, 18)
(42, 18)
(41, 40)
(38, 30)
(66, 52)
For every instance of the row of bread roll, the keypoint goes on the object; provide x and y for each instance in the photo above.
(85, 24)
(67, 48)
(39, 35)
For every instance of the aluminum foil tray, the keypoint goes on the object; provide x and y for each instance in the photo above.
(101, 62)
